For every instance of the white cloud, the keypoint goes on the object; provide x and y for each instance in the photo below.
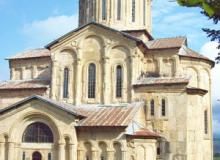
(40, 32)
(210, 50)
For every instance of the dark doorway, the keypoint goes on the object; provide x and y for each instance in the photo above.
(36, 156)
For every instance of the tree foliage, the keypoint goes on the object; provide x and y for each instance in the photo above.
(211, 9)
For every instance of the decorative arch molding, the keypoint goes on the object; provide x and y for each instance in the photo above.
(195, 77)
(99, 39)
(65, 50)
(122, 48)
(204, 78)
(18, 128)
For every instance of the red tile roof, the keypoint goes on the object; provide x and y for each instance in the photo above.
(144, 133)
(22, 84)
(187, 52)
(35, 53)
(164, 43)
(108, 116)
(160, 81)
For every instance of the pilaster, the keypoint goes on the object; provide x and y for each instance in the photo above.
(79, 82)
(11, 150)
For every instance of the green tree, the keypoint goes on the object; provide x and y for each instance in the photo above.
(211, 9)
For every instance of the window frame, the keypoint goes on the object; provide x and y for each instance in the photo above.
(66, 82)
(119, 82)
(152, 108)
(163, 108)
(104, 10)
(91, 91)
(144, 12)
(119, 4)
(38, 132)
(133, 10)
(206, 122)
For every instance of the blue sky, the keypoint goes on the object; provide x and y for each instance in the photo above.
(26, 24)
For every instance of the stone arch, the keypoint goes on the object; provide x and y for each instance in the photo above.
(192, 73)
(103, 147)
(66, 57)
(151, 67)
(88, 150)
(140, 150)
(92, 47)
(119, 52)
(117, 150)
(18, 128)
(168, 67)
(204, 79)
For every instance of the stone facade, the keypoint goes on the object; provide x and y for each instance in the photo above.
(163, 110)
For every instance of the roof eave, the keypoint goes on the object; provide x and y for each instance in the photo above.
(199, 58)
(96, 24)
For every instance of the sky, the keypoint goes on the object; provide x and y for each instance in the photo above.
(26, 24)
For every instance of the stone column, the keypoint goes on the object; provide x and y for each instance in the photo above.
(79, 82)
(61, 84)
(107, 81)
(35, 72)
(23, 76)
(11, 150)
(61, 151)
(12, 76)
(80, 154)
(123, 155)
(2, 150)
(95, 155)
(110, 155)
(72, 152)
(54, 79)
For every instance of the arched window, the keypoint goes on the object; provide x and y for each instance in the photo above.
(66, 83)
(206, 122)
(49, 157)
(91, 80)
(133, 10)
(103, 151)
(152, 112)
(118, 9)
(104, 9)
(38, 133)
(163, 108)
(119, 81)
(144, 12)
(88, 151)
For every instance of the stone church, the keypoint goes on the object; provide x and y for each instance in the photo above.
(108, 90)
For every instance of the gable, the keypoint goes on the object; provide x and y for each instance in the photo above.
(99, 28)
(50, 104)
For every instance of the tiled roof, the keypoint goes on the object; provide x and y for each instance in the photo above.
(185, 51)
(164, 43)
(91, 115)
(24, 84)
(35, 53)
(160, 81)
(109, 116)
(144, 133)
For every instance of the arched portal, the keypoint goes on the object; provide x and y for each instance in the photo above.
(36, 156)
